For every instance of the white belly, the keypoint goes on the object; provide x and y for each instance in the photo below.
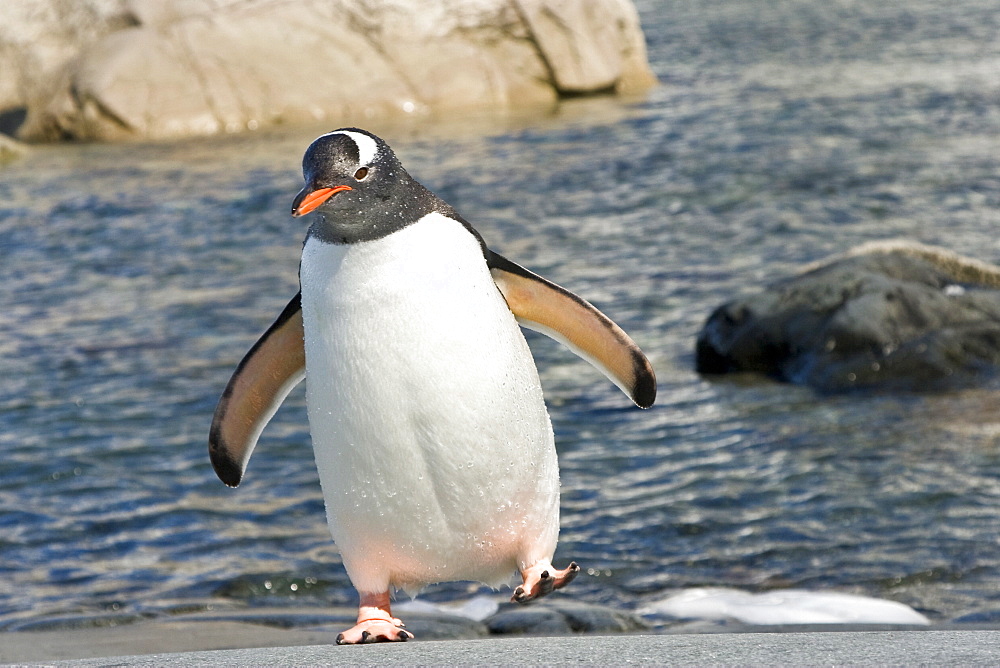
(433, 445)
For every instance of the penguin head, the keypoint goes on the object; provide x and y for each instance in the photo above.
(359, 190)
(345, 170)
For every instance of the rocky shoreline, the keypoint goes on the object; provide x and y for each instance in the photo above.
(692, 611)
(261, 634)
(116, 635)
(433, 621)
(145, 69)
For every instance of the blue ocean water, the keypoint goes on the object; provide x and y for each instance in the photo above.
(136, 276)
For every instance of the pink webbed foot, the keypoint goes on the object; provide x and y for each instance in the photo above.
(374, 630)
(375, 623)
(542, 579)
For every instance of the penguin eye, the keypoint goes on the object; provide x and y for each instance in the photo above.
(361, 174)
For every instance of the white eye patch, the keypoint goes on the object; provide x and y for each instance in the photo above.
(367, 148)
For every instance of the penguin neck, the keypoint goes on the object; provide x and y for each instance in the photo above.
(345, 227)
(381, 216)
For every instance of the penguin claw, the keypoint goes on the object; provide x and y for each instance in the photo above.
(374, 630)
(375, 622)
(541, 580)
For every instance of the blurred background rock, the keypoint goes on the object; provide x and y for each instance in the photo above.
(133, 69)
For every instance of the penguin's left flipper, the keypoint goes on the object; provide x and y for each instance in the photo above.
(545, 307)
(265, 376)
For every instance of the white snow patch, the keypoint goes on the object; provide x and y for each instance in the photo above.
(789, 606)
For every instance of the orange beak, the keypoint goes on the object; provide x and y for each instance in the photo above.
(312, 200)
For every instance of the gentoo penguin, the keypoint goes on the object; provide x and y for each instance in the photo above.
(434, 448)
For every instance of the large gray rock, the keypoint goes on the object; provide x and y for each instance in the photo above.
(39, 37)
(589, 46)
(557, 616)
(117, 69)
(897, 314)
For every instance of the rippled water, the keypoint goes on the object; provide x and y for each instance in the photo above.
(136, 276)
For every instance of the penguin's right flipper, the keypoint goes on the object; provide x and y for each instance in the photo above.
(265, 376)
(548, 308)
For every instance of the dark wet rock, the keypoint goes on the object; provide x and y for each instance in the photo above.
(527, 619)
(444, 627)
(119, 69)
(981, 617)
(895, 314)
(589, 618)
(563, 616)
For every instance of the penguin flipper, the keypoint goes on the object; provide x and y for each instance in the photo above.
(545, 307)
(262, 380)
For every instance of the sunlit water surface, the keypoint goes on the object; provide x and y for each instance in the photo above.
(135, 277)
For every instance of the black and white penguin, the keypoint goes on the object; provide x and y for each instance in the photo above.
(434, 448)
